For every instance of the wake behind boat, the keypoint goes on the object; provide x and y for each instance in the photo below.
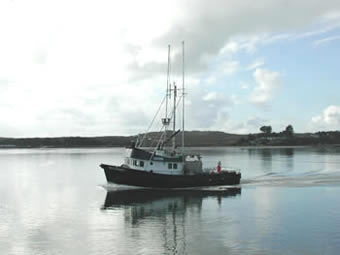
(166, 165)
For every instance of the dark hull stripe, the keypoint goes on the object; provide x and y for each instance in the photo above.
(132, 177)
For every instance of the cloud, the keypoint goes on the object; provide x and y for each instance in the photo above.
(244, 85)
(267, 83)
(101, 50)
(227, 27)
(211, 79)
(215, 23)
(4, 84)
(225, 68)
(230, 47)
(326, 40)
(328, 119)
(247, 43)
(256, 64)
(208, 110)
(256, 122)
(317, 32)
(230, 67)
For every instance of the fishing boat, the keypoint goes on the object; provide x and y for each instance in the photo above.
(166, 164)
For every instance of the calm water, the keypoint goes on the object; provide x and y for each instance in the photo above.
(56, 201)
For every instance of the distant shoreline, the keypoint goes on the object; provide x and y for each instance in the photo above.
(210, 146)
(192, 139)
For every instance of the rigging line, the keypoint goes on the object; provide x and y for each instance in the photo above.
(145, 134)
(159, 140)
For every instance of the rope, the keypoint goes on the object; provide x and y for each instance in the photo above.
(159, 108)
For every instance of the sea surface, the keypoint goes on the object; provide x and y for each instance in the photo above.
(57, 201)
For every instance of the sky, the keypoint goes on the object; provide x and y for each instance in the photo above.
(95, 68)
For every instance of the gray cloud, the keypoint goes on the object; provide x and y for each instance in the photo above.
(267, 82)
(328, 119)
(207, 26)
(208, 109)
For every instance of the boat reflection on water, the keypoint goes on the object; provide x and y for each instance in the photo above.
(152, 202)
(170, 217)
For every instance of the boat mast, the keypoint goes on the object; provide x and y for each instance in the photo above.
(166, 120)
(174, 118)
(183, 97)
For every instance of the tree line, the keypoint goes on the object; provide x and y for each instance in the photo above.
(288, 131)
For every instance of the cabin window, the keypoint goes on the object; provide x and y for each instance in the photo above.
(141, 163)
(170, 165)
(151, 163)
(175, 165)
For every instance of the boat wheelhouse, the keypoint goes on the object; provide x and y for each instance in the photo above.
(162, 162)
(157, 162)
